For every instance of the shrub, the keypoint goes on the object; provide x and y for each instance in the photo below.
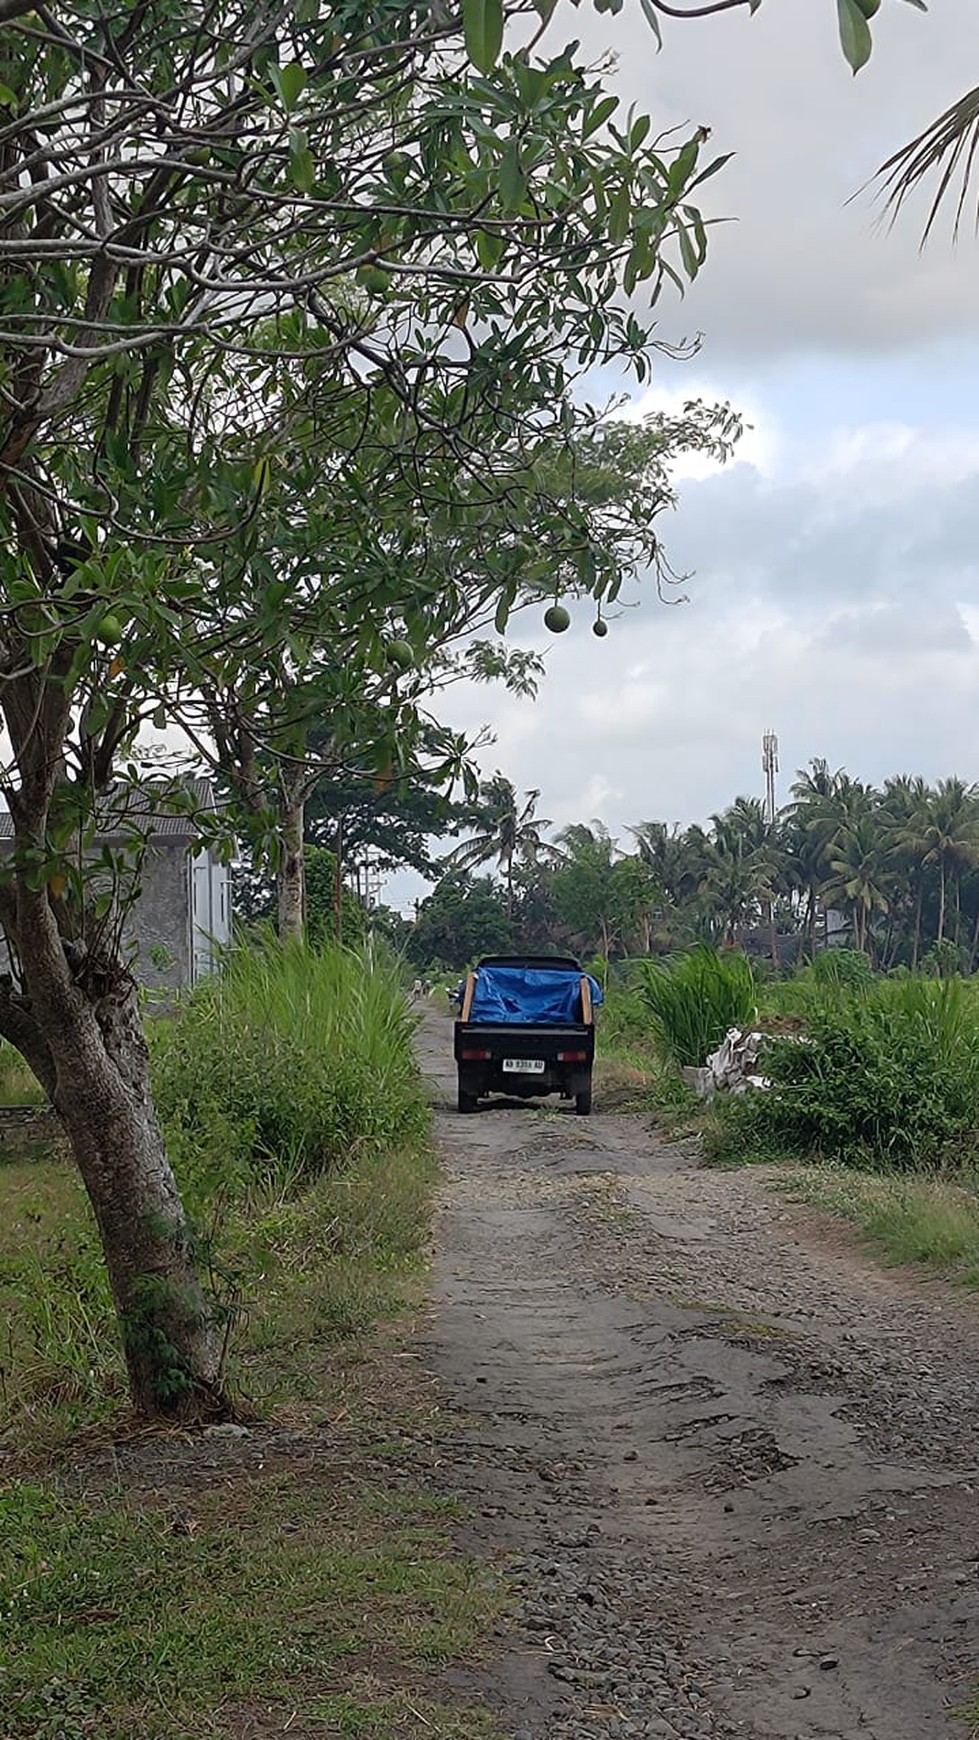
(690, 1002)
(291, 1062)
(842, 967)
(887, 1078)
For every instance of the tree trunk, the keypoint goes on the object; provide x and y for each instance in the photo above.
(77, 1022)
(291, 879)
(772, 933)
(916, 943)
(974, 946)
(338, 884)
(941, 899)
(811, 920)
(103, 1096)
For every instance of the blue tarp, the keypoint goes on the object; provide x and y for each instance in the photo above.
(542, 994)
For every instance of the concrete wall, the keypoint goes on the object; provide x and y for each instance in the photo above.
(174, 933)
(157, 931)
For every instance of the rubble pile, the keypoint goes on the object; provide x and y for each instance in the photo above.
(732, 1068)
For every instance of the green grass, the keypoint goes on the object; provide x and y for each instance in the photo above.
(18, 1087)
(302, 1578)
(688, 1004)
(60, 1364)
(887, 1077)
(290, 1063)
(927, 1223)
(326, 1594)
(117, 1623)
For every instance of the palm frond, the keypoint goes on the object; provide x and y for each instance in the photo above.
(947, 147)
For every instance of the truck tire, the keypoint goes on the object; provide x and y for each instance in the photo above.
(582, 1102)
(467, 1101)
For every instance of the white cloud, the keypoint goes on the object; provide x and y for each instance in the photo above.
(836, 562)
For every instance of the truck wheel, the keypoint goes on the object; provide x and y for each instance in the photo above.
(467, 1101)
(582, 1103)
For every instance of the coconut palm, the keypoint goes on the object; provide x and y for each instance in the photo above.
(946, 148)
(860, 879)
(743, 865)
(502, 831)
(905, 797)
(943, 831)
(584, 885)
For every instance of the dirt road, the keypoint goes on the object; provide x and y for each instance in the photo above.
(731, 1468)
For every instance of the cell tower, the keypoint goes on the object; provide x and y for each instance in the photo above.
(769, 763)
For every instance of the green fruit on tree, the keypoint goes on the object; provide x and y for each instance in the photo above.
(399, 653)
(374, 280)
(557, 619)
(600, 627)
(109, 631)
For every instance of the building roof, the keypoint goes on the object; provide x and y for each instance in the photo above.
(142, 809)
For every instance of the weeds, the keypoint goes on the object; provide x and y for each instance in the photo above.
(18, 1086)
(690, 1003)
(292, 1062)
(887, 1078)
(113, 1616)
(925, 1222)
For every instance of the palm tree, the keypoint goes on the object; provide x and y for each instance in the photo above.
(503, 830)
(824, 805)
(742, 866)
(943, 830)
(858, 880)
(905, 798)
(948, 145)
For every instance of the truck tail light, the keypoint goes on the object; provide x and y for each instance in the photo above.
(572, 1057)
(472, 1056)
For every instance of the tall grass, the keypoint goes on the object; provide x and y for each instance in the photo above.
(689, 1003)
(18, 1086)
(887, 1077)
(290, 1063)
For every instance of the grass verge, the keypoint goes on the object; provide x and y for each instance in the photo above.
(921, 1222)
(630, 1076)
(293, 1576)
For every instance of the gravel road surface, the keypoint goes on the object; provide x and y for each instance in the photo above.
(729, 1467)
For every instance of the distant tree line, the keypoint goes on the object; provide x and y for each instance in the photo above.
(892, 871)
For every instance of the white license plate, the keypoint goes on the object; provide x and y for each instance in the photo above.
(524, 1066)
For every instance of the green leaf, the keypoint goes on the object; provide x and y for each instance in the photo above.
(513, 182)
(619, 215)
(652, 19)
(599, 116)
(855, 37)
(8, 98)
(291, 81)
(302, 169)
(482, 22)
(688, 253)
(504, 607)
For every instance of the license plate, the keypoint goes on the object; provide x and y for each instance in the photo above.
(524, 1066)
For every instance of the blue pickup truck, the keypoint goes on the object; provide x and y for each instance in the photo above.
(527, 1027)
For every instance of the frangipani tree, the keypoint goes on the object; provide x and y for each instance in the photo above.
(435, 250)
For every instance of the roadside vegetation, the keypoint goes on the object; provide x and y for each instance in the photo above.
(293, 1566)
(872, 1107)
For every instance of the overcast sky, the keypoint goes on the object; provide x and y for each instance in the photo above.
(834, 590)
